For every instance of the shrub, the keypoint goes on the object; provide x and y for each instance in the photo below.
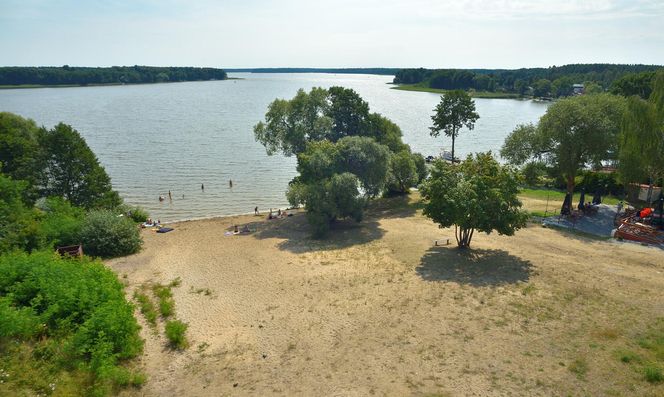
(147, 308)
(166, 302)
(136, 214)
(402, 173)
(61, 223)
(533, 173)
(421, 166)
(653, 373)
(78, 306)
(175, 332)
(105, 234)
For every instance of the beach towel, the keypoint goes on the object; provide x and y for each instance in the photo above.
(165, 229)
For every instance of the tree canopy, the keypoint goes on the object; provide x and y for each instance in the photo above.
(554, 81)
(73, 75)
(477, 194)
(339, 143)
(642, 136)
(455, 111)
(72, 170)
(573, 133)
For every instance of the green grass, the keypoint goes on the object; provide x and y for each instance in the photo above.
(474, 94)
(649, 361)
(147, 308)
(175, 332)
(579, 367)
(166, 302)
(558, 195)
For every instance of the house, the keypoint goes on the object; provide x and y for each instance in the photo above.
(577, 89)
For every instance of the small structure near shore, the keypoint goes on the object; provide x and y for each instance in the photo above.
(74, 251)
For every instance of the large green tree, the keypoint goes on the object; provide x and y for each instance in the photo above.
(21, 156)
(339, 144)
(72, 170)
(18, 226)
(573, 133)
(642, 137)
(478, 194)
(455, 111)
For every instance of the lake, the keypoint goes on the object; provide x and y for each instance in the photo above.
(160, 137)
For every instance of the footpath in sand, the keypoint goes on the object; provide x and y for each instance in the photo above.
(377, 309)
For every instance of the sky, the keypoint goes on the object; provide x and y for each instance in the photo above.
(327, 33)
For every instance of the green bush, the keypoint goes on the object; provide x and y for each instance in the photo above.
(402, 173)
(166, 302)
(78, 306)
(106, 234)
(533, 173)
(175, 332)
(139, 215)
(61, 223)
(607, 183)
(653, 373)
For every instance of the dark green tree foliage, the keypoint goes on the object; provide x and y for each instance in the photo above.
(478, 194)
(455, 111)
(18, 226)
(290, 124)
(72, 170)
(642, 137)
(561, 78)
(328, 199)
(60, 223)
(105, 234)
(335, 136)
(403, 172)
(542, 88)
(78, 304)
(366, 159)
(639, 84)
(573, 133)
(21, 156)
(69, 75)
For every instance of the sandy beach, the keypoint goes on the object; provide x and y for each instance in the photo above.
(379, 309)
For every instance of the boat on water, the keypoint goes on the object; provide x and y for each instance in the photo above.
(444, 155)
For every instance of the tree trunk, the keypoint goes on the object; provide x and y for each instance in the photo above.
(463, 236)
(453, 136)
(570, 184)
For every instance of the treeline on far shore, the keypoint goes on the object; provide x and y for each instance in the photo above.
(71, 75)
(554, 81)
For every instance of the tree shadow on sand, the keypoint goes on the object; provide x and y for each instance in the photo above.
(296, 233)
(477, 267)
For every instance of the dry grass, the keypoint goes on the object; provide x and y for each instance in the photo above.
(377, 309)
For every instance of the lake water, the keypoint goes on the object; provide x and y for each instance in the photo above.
(160, 137)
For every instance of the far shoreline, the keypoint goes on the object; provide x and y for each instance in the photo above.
(473, 94)
(33, 86)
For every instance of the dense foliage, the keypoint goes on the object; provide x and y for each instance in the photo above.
(477, 194)
(344, 152)
(72, 170)
(642, 137)
(71, 75)
(455, 111)
(106, 234)
(74, 311)
(555, 81)
(574, 132)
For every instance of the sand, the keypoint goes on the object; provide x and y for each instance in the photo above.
(378, 309)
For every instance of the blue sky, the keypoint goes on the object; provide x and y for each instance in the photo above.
(340, 33)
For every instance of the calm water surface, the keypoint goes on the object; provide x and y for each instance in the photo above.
(161, 137)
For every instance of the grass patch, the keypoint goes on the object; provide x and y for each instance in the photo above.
(147, 308)
(579, 367)
(559, 195)
(475, 94)
(176, 334)
(653, 373)
(165, 296)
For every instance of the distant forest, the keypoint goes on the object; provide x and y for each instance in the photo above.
(554, 81)
(381, 71)
(70, 75)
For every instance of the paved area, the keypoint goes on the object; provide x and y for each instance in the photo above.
(599, 224)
